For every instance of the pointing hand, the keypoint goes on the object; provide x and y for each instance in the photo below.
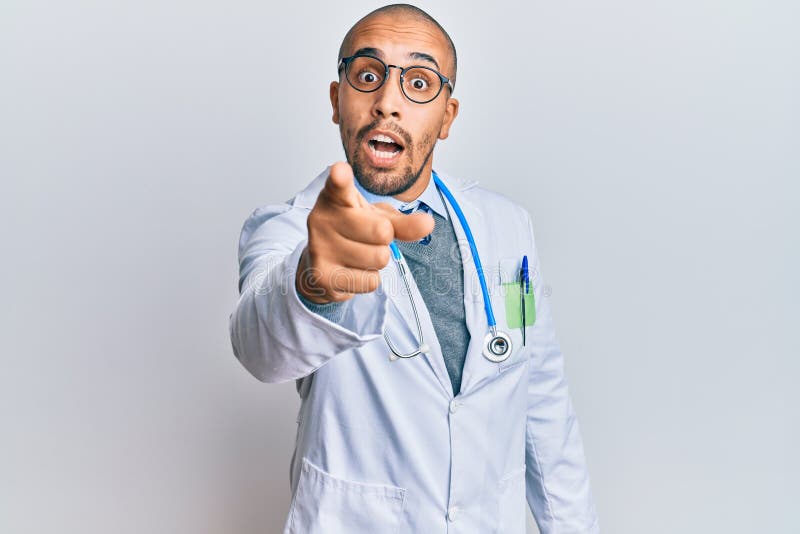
(348, 240)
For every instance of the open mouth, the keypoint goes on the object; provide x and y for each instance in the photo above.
(383, 149)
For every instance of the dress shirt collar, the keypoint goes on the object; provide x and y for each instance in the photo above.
(430, 196)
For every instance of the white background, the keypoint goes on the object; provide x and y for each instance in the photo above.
(655, 144)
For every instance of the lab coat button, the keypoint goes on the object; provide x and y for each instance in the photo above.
(452, 513)
(453, 406)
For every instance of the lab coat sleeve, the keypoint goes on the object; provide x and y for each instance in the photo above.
(557, 478)
(273, 334)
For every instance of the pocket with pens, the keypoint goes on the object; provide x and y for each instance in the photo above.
(517, 290)
(515, 295)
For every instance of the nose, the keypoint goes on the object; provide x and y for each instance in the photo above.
(389, 99)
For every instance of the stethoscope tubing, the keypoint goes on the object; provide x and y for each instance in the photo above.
(401, 264)
(487, 303)
(497, 344)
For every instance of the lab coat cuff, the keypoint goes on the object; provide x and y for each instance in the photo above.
(349, 323)
(332, 311)
(277, 338)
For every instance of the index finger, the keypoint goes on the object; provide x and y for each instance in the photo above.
(412, 227)
(340, 186)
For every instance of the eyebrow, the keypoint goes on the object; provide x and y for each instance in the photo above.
(424, 57)
(414, 55)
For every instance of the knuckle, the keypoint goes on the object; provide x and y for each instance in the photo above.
(383, 231)
(371, 280)
(382, 256)
(312, 281)
(376, 280)
(339, 296)
(314, 248)
(313, 221)
(341, 279)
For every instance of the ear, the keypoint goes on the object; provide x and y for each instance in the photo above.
(334, 90)
(450, 114)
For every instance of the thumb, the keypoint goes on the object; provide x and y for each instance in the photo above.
(411, 227)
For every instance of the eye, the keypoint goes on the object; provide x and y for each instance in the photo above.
(419, 84)
(420, 81)
(367, 77)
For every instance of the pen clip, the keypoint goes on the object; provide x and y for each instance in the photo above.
(524, 275)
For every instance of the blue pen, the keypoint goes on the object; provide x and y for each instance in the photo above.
(523, 289)
(525, 275)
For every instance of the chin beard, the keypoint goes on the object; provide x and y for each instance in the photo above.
(382, 183)
(386, 183)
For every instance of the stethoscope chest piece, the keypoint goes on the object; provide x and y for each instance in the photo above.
(497, 346)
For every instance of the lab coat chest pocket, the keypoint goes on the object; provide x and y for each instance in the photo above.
(327, 504)
(511, 503)
(504, 287)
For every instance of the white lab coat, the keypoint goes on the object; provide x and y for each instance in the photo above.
(383, 446)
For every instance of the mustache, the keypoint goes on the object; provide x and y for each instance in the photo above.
(389, 127)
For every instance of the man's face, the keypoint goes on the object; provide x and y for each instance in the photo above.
(367, 120)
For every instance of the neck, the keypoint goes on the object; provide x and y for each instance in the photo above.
(425, 177)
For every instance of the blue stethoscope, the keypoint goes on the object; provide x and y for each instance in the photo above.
(497, 344)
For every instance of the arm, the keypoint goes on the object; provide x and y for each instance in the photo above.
(274, 335)
(343, 240)
(557, 478)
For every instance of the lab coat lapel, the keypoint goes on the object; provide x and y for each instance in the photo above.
(402, 328)
(476, 367)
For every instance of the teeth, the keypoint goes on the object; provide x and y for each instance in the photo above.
(382, 154)
(382, 138)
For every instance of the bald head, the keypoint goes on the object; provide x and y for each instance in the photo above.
(405, 13)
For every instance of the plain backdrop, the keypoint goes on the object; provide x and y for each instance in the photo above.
(654, 143)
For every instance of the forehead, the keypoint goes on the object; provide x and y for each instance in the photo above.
(398, 36)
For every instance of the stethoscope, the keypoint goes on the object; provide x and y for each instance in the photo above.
(497, 344)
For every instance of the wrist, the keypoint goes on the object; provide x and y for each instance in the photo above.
(305, 281)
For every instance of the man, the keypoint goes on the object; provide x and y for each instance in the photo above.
(454, 438)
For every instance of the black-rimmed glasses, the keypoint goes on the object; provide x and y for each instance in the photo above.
(368, 73)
